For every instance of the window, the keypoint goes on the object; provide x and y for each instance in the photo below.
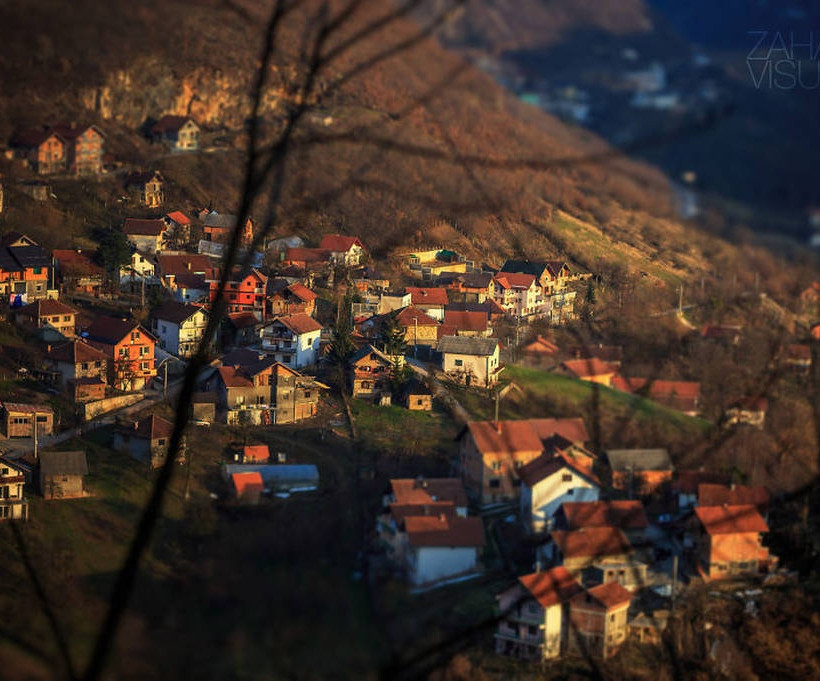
(458, 362)
(496, 466)
(532, 630)
(612, 618)
(495, 483)
(42, 419)
(67, 318)
(566, 477)
(161, 442)
(85, 366)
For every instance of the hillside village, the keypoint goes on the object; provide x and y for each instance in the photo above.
(602, 540)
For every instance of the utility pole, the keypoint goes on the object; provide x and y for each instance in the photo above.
(680, 299)
(34, 435)
(416, 337)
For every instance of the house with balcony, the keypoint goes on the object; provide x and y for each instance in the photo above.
(129, 351)
(246, 293)
(289, 298)
(179, 328)
(534, 618)
(293, 340)
(369, 373)
(519, 295)
(598, 619)
(13, 505)
(25, 270)
(730, 542)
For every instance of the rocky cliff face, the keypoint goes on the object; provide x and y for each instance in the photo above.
(213, 97)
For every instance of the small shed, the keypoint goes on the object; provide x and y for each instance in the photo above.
(203, 406)
(280, 478)
(247, 487)
(62, 474)
(417, 396)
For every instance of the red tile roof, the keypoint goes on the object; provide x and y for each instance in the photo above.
(302, 292)
(591, 366)
(737, 495)
(232, 377)
(541, 346)
(427, 296)
(153, 428)
(443, 530)
(182, 264)
(551, 587)
(731, 519)
(627, 515)
(474, 322)
(505, 438)
(70, 261)
(250, 482)
(338, 243)
(591, 542)
(140, 227)
(546, 465)
(572, 429)
(46, 308)
(242, 320)
(300, 323)
(75, 352)
(657, 388)
(112, 330)
(306, 255)
(510, 280)
(420, 491)
(255, 453)
(689, 481)
(179, 217)
(609, 595)
(412, 316)
(169, 123)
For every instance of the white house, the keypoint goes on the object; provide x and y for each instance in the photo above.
(179, 328)
(532, 624)
(294, 339)
(343, 250)
(474, 361)
(141, 268)
(549, 481)
(441, 546)
(520, 295)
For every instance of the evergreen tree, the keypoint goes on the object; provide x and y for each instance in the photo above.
(392, 336)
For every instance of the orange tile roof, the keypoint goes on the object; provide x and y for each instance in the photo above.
(572, 429)
(410, 316)
(551, 587)
(302, 292)
(546, 465)
(689, 481)
(338, 243)
(443, 530)
(627, 515)
(300, 323)
(409, 491)
(427, 296)
(179, 217)
(139, 226)
(514, 280)
(591, 542)
(247, 482)
(505, 437)
(731, 519)
(738, 495)
(233, 378)
(610, 595)
(591, 366)
(255, 453)
(541, 346)
(76, 352)
(464, 320)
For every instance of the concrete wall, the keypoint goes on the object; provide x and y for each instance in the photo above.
(431, 563)
(90, 410)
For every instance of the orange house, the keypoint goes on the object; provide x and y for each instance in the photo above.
(129, 349)
(247, 294)
(731, 541)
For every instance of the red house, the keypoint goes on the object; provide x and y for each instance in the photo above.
(246, 294)
(129, 349)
